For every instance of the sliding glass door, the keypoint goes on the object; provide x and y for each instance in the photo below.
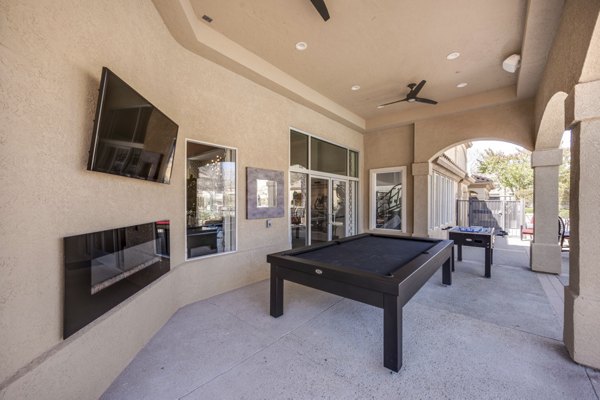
(298, 209)
(338, 209)
(323, 190)
(320, 210)
(328, 211)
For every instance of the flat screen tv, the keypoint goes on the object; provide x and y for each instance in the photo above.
(131, 137)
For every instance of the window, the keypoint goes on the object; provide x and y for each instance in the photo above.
(298, 212)
(352, 207)
(298, 150)
(323, 171)
(211, 199)
(442, 202)
(388, 199)
(327, 157)
(353, 163)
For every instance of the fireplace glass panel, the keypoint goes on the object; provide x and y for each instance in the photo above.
(104, 268)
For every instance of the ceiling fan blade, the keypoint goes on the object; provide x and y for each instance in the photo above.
(416, 90)
(392, 102)
(421, 100)
(321, 8)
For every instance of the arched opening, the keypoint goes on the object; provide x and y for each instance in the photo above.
(505, 299)
(480, 183)
(547, 159)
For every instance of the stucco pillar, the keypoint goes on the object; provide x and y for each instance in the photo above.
(421, 177)
(545, 248)
(582, 296)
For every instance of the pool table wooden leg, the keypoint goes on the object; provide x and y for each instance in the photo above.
(447, 271)
(392, 333)
(276, 293)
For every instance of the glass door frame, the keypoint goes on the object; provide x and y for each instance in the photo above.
(310, 173)
(330, 178)
(311, 207)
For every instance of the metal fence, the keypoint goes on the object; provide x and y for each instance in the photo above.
(504, 215)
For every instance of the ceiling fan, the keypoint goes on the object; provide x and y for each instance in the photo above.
(321, 8)
(411, 97)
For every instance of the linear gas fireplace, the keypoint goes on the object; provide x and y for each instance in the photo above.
(104, 268)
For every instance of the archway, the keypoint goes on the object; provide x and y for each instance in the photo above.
(508, 122)
(573, 68)
(460, 194)
(546, 160)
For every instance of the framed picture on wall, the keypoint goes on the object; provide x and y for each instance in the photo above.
(264, 193)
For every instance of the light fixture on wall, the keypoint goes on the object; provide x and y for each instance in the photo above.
(512, 63)
(301, 46)
(453, 56)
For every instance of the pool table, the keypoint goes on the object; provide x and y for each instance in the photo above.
(381, 270)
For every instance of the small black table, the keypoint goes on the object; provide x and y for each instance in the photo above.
(474, 236)
(381, 270)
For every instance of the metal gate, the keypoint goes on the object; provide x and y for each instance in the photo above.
(504, 215)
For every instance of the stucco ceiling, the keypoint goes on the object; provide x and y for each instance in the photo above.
(381, 45)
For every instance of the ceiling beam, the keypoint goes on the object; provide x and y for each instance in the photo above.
(201, 39)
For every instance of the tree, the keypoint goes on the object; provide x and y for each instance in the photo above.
(509, 171)
(564, 180)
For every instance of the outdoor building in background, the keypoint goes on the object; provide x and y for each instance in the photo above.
(449, 182)
(481, 187)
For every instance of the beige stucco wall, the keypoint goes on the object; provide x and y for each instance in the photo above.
(390, 148)
(50, 78)
(508, 122)
(567, 64)
(429, 138)
(458, 154)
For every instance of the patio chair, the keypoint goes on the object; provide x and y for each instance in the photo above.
(527, 230)
(563, 232)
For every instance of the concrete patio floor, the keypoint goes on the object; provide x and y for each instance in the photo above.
(498, 338)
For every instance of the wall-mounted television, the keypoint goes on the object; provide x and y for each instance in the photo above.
(131, 137)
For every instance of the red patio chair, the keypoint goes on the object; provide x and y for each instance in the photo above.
(526, 230)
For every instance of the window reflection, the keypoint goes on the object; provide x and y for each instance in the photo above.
(298, 195)
(211, 199)
(388, 200)
(266, 193)
(328, 157)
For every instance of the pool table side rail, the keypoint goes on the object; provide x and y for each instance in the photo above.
(333, 286)
(432, 258)
(314, 247)
(410, 285)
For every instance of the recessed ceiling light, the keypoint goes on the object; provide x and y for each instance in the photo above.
(355, 87)
(462, 85)
(301, 46)
(453, 56)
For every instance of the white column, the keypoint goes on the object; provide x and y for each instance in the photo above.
(545, 248)
(421, 177)
(582, 296)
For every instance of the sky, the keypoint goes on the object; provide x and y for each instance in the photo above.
(480, 146)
